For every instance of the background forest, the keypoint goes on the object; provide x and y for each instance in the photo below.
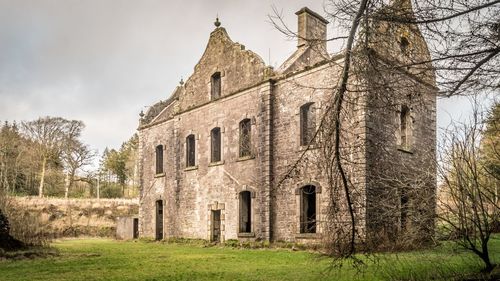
(46, 157)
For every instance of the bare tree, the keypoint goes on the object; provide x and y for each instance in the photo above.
(48, 135)
(384, 46)
(19, 228)
(75, 156)
(469, 203)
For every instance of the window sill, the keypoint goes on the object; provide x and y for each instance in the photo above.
(307, 235)
(245, 158)
(191, 168)
(310, 147)
(246, 234)
(213, 164)
(160, 175)
(405, 150)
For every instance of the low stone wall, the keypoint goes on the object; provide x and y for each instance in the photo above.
(79, 217)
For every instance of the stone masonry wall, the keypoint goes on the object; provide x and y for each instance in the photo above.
(290, 94)
(402, 177)
(190, 193)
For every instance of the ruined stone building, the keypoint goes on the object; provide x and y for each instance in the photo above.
(213, 152)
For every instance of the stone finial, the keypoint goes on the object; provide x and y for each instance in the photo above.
(217, 22)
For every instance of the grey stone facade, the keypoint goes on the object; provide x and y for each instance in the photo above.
(204, 200)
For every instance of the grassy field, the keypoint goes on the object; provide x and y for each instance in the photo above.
(101, 259)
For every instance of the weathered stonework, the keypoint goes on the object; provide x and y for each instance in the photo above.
(205, 198)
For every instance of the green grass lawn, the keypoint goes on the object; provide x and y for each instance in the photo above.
(101, 259)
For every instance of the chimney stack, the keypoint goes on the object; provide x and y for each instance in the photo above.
(311, 28)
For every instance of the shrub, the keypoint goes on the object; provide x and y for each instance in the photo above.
(111, 191)
(7, 242)
(19, 227)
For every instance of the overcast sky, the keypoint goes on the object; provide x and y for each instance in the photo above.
(102, 61)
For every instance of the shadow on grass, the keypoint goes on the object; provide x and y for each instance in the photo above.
(29, 253)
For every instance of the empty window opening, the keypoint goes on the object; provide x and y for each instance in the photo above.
(190, 151)
(215, 139)
(308, 209)
(159, 220)
(403, 44)
(307, 123)
(216, 229)
(405, 127)
(245, 212)
(216, 85)
(245, 138)
(404, 210)
(159, 159)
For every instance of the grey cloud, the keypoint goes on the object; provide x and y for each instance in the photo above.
(103, 61)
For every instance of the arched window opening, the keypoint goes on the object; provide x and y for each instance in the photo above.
(405, 127)
(403, 44)
(308, 209)
(307, 123)
(190, 151)
(245, 138)
(215, 85)
(245, 199)
(215, 139)
(159, 159)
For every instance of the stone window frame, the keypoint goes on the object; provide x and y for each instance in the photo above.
(315, 106)
(252, 211)
(222, 144)
(216, 206)
(405, 122)
(216, 85)
(298, 208)
(307, 123)
(215, 145)
(159, 160)
(249, 153)
(195, 160)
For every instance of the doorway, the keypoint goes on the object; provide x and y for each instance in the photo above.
(136, 228)
(159, 220)
(216, 226)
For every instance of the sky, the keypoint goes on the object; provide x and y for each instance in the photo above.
(103, 61)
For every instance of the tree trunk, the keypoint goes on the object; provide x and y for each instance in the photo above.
(68, 182)
(485, 256)
(136, 175)
(98, 187)
(3, 177)
(42, 177)
(17, 171)
(66, 186)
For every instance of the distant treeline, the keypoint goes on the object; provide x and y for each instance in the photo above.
(46, 157)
